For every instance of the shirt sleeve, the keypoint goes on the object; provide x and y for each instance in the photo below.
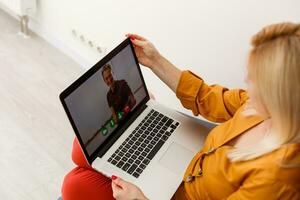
(215, 103)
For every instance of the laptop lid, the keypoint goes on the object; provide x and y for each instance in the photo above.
(105, 100)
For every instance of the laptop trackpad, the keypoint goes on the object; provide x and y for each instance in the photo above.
(176, 158)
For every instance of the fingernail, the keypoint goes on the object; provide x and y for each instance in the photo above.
(113, 177)
(132, 38)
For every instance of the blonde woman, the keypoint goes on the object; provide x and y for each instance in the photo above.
(255, 152)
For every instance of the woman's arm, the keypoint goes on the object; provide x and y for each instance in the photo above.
(168, 73)
(215, 103)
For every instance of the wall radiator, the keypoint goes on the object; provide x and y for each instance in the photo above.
(22, 8)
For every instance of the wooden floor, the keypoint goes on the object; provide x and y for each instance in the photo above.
(35, 136)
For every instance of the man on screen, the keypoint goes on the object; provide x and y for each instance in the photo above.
(119, 97)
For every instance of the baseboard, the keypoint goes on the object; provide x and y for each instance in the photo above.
(44, 33)
(58, 43)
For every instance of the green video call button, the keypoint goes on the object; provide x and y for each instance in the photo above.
(104, 131)
(120, 115)
(112, 123)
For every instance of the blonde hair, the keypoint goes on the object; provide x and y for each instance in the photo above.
(274, 64)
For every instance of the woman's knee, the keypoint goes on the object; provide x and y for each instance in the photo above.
(84, 183)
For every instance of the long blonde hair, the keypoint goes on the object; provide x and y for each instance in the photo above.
(274, 63)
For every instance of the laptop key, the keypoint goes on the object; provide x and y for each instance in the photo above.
(126, 166)
(164, 137)
(152, 134)
(130, 151)
(124, 159)
(137, 143)
(128, 154)
(142, 166)
(124, 150)
(146, 161)
(140, 149)
(114, 162)
(139, 170)
(136, 175)
(120, 164)
(164, 119)
(155, 149)
(169, 122)
(173, 126)
(117, 158)
(132, 168)
(137, 162)
(144, 153)
(141, 157)
(143, 145)
(162, 131)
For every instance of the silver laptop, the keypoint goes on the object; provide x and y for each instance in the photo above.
(123, 132)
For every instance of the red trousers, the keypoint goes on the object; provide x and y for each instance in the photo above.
(83, 182)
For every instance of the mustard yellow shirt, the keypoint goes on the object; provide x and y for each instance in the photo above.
(210, 174)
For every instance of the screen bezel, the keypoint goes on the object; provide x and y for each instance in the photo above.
(102, 149)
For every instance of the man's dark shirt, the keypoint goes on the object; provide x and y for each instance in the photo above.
(120, 97)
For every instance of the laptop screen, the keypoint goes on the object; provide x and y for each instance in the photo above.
(106, 98)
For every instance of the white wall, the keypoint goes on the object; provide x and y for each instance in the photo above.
(210, 37)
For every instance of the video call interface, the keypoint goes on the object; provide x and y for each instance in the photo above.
(99, 105)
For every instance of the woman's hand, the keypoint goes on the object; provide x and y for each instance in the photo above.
(150, 57)
(145, 51)
(123, 190)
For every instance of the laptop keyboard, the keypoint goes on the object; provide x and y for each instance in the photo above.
(136, 152)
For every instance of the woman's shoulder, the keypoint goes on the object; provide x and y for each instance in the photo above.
(281, 166)
(288, 167)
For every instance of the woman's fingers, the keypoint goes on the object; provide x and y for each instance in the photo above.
(116, 187)
(116, 190)
(119, 182)
(135, 36)
(138, 42)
